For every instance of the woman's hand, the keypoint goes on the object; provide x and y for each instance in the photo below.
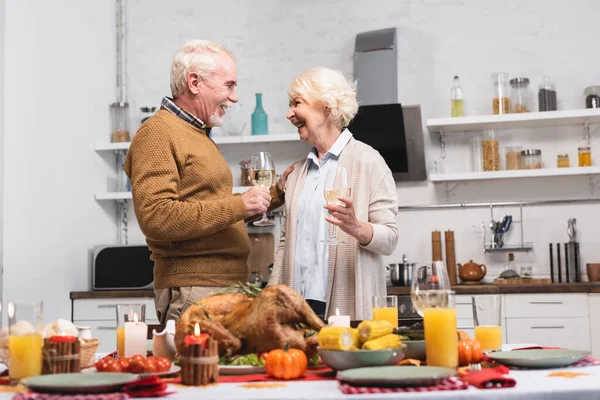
(343, 216)
(283, 178)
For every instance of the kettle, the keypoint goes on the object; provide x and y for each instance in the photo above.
(471, 273)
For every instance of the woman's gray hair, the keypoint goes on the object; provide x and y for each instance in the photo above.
(331, 88)
(194, 56)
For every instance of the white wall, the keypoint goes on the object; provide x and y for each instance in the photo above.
(60, 74)
(60, 78)
(274, 40)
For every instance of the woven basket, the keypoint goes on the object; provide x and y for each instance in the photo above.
(88, 351)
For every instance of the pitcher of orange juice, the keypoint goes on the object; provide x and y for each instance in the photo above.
(386, 308)
(439, 320)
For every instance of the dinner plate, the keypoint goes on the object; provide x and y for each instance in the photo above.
(395, 376)
(174, 369)
(539, 358)
(240, 370)
(78, 383)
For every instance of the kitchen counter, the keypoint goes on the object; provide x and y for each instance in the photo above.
(584, 287)
(111, 294)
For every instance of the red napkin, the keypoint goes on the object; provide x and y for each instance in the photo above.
(147, 387)
(490, 378)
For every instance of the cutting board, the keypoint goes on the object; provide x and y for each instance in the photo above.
(521, 281)
(262, 253)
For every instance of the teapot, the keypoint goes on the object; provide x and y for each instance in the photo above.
(471, 273)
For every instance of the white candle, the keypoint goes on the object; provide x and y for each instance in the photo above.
(339, 320)
(136, 335)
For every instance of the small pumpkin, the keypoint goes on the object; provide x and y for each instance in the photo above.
(463, 335)
(469, 351)
(286, 364)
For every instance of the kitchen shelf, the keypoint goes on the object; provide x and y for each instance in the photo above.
(514, 121)
(285, 137)
(520, 173)
(509, 248)
(127, 195)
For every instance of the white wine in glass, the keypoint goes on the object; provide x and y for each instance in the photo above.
(336, 186)
(262, 173)
(430, 286)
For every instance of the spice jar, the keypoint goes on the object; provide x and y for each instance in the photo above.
(531, 159)
(520, 96)
(585, 156)
(562, 161)
(513, 158)
(592, 96)
(547, 95)
(491, 153)
(501, 102)
(147, 112)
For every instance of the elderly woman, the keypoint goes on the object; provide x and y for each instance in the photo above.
(343, 276)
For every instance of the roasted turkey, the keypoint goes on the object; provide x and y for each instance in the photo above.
(277, 316)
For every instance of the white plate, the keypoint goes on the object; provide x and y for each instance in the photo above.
(174, 369)
(78, 383)
(394, 376)
(542, 358)
(240, 370)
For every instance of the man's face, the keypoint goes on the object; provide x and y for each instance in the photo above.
(217, 93)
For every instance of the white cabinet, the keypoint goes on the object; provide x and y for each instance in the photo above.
(548, 319)
(594, 305)
(101, 316)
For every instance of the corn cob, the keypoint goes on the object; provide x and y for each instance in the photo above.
(336, 338)
(369, 330)
(356, 345)
(390, 341)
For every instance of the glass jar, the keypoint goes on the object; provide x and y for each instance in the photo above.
(513, 158)
(477, 154)
(585, 156)
(592, 96)
(147, 112)
(520, 95)
(547, 95)
(562, 161)
(120, 122)
(531, 159)
(501, 100)
(491, 152)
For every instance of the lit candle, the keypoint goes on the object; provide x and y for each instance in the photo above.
(136, 335)
(197, 338)
(339, 320)
(62, 338)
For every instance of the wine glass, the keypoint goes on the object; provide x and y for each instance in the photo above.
(262, 173)
(430, 286)
(336, 186)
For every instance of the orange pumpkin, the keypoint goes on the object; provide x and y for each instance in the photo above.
(286, 364)
(469, 351)
(463, 335)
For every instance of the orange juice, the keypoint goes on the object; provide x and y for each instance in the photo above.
(489, 337)
(386, 314)
(441, 347)
(121, 341)
(25, 356)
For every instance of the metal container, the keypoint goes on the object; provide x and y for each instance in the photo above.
(402, 273)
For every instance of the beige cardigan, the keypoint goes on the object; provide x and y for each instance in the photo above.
(355, 272)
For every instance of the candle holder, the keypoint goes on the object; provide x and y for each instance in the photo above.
(200, 363)
(61, 355)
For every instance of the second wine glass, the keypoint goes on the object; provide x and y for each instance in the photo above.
(336, 186)
(262, 173)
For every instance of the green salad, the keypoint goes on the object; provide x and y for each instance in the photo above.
(245, 359)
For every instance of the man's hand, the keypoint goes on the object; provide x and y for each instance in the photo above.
(283, 178)
(256, 200)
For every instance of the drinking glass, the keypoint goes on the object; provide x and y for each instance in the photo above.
(336, 186)
(262, 173)
(439, 322)
(125, 313)
(386, 308)
(25, 323)
(430, 285)
(487, 316)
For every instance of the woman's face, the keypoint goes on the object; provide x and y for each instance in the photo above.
(309, 117)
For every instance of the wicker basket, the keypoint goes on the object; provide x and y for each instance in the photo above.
(88, 351)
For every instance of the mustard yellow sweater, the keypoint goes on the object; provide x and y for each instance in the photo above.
(181, 187)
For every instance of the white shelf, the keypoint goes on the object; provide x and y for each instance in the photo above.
(285, 137)
(514, 121)
(522, 173)
(114, 196)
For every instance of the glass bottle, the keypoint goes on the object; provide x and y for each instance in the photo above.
(511, 266)
(501, 100)
(456, 99)
(547, 95)
(260, 120)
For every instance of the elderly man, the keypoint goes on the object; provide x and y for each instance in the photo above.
(182, 185)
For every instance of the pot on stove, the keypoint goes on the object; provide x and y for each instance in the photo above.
(402, 272)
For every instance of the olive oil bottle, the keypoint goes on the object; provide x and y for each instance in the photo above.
(456, 99)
